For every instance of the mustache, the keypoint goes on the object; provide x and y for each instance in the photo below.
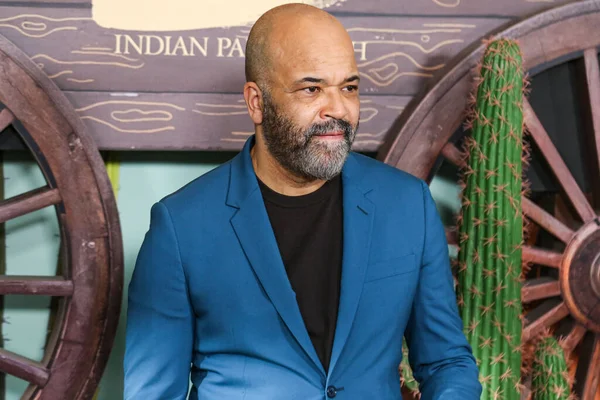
(333, 125)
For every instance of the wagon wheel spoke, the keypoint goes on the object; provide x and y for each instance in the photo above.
(452, 237)
(542, 256)
(36, 285)
(558, 166)
(592, 72)
(28, 202)
(530, 253)
(88, 291)
(538, 289)
(574, 338)
(24, 368)
(547, 221)
(545, 321)
(6, 118)
(453, 154)
(592, 377)
(532, 210)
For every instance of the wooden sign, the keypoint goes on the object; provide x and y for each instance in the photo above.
(153, 77)
(506, 8)
(188, 121)
(395, 55)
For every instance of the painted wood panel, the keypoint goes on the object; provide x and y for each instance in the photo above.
(142, 85)
(396, 55)
(511, 8)
(183, 121)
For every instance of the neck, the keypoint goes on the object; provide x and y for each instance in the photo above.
(280, 180)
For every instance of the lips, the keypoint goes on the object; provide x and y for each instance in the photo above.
(332, 134)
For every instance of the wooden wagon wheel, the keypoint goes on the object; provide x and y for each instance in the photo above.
(425, 138)
(79, 189)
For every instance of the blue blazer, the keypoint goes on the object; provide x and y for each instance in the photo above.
(210, 296)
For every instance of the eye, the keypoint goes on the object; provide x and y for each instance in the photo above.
(311, 89)
(351, 88)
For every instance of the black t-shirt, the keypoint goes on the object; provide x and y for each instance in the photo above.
(308, 230)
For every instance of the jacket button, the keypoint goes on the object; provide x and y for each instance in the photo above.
(331, 392)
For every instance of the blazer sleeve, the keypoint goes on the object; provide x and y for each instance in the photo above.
(440, 356)
(159, 333)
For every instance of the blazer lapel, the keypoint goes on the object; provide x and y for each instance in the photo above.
(358, 221)
(253, 229)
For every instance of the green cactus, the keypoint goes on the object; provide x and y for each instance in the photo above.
(406, 376)
(491, 223)
(550, 374)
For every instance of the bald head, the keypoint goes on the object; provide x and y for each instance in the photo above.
(302, 95)
(283, 31)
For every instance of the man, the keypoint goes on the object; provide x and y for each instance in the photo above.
(294, 270)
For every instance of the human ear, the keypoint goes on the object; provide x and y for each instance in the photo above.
(254, 102)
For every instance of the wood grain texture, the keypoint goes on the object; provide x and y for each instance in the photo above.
(6, 118)
(28, 202)
(547, 221)
(187, 121)
(395, 55)
(24, 368)
(538, 289)
(558, 166)
(514, 8)
(576, 273)
(545, 321)
(592, 72)
(88, 220)
(190, 121)
(542, 256)
(36, 285)
(574, 337)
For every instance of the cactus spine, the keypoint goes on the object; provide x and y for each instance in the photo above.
(550, 376)
(491, 223)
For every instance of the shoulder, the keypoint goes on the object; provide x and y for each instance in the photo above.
(202, 191)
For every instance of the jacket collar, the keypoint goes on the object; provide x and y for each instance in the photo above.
(242, 179)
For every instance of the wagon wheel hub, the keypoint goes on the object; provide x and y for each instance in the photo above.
(580, 276)
(595, 275)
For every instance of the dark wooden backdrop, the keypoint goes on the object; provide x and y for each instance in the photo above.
(181, 90)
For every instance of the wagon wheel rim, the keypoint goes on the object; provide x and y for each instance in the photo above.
(78, 188)
(424, 138)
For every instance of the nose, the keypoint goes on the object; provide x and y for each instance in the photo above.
(335, 106)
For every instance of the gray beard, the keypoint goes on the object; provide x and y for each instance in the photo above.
(299, 151)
